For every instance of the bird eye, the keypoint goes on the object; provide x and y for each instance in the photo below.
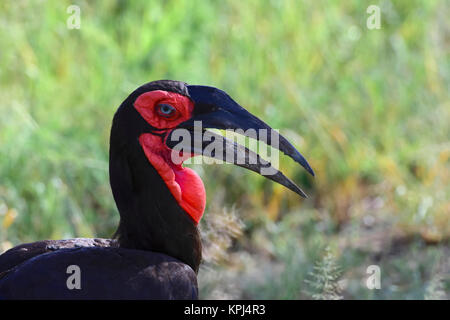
(165, 110)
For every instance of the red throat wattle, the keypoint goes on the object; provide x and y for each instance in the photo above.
(184, 183)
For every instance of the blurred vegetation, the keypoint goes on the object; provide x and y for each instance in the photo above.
(370, 110)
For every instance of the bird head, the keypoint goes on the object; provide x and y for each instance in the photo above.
(158, 113)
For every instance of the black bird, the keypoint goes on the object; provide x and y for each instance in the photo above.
(156, 251)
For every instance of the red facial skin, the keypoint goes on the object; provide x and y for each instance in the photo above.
(185, 185)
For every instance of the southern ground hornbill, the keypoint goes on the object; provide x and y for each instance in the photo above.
(156, 251)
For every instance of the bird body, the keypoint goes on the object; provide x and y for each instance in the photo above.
(156, 251)
(41, 270)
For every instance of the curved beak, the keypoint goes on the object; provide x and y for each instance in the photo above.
(215, 109)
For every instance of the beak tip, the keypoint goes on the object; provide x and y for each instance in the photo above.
(306, 165)
(300, 192)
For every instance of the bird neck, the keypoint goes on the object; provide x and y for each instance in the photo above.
(150, 217)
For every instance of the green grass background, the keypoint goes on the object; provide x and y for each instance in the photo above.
(369, 109)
